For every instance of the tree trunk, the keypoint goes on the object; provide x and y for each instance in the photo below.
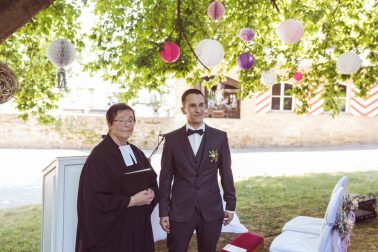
(16, 13)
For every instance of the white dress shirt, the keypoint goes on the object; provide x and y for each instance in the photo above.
(195, 139)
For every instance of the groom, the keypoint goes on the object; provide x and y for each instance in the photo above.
(192, 156)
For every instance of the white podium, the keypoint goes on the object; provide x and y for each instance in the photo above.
(59, 215)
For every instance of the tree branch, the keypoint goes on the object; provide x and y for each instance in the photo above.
(275, 5)
(182, 32)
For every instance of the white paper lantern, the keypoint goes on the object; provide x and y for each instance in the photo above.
(62, 53)
(290, 31)
(209, 52)
(269, 77)
(348, 63)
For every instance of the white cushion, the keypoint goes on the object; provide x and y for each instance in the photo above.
(295, 242)
(304, 224)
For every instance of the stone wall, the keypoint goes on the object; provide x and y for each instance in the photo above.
(274, 129)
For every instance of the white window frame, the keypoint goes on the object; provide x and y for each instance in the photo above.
(347, 100)
(282, 96)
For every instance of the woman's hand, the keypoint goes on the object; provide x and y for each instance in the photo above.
(142, 198)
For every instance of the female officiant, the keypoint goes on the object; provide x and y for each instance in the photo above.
(108, 219)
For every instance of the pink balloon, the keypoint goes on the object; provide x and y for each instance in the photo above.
(290, 31)
(215, 10)
(170, 52)
(298, 76)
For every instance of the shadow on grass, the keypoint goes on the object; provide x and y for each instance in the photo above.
(264, 205)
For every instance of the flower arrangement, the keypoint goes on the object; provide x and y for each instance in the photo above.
(345, 221)
(214, 155)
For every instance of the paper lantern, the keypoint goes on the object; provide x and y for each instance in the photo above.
(298, 76)
(269, 77)
(62, 53)
(215, 10)
(209, 52)
(170, 52)
(247, 34)
(290, 31)
(348, 63)
(245, 61)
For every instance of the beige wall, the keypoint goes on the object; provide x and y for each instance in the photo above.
(273, 129)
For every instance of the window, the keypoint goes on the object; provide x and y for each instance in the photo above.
(340, 99)
(282, 98)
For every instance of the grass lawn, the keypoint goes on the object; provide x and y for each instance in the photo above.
(264, 205)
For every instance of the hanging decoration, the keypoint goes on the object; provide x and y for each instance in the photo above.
(215, 10)
(290, 31)
(8, 83)
(62, 53)
(245, 61)
(298, 76)
(269, 77)
(348, 63)
(209, 52)
(170, 52)
(247, 34)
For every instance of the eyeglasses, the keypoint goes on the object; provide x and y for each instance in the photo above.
(123, 121)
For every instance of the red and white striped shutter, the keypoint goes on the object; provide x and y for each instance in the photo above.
(262, 102)
(315, 104)
(364, 107)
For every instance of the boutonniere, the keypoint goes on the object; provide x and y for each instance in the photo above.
(213, 154)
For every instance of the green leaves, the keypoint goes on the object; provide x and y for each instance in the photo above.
(128, 34)
(25, 53)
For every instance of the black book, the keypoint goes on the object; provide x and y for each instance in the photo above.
(136, 181)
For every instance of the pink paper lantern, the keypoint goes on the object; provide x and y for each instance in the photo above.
(170, 52)
(245, 61)
(215, 10)
(290, 31)
(247, 34)
(298, 76)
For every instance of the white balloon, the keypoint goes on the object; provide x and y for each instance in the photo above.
(210, 52)
(290, 31)
(61, 52)
(348, 63)
(269, 77)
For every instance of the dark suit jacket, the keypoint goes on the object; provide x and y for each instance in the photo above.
(195, 184)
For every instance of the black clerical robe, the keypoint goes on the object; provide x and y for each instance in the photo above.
(105, 223)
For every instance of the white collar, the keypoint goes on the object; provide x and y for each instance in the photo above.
(202, 127)
(128, 154)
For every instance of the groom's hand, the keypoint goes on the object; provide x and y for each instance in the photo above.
(227, 218)
(164, 223)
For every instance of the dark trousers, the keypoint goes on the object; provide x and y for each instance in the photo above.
(207, 234)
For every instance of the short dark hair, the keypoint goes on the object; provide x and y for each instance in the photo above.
(113, 110)
(190, 91)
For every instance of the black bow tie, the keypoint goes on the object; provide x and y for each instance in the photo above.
(190, 132)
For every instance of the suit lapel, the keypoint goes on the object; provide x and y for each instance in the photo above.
(185, 145)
